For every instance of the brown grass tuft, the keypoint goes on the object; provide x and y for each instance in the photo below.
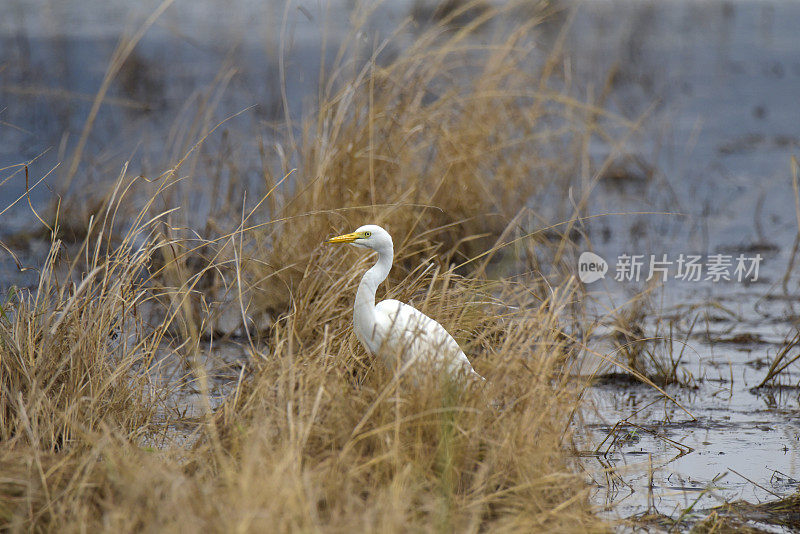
(445, 144)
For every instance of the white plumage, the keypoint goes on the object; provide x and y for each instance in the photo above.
(392, 329)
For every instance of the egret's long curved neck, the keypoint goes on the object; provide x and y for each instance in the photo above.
(365, 296)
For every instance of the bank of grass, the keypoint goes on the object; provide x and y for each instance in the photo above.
(316, 435)
(448, 142)
(445, 145)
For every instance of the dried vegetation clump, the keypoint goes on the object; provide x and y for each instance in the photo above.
(445, 144)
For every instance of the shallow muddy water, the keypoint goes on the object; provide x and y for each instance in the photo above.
(736, 441)
(717, 85)
(727, 79)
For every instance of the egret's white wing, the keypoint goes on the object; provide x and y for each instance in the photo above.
(409, 333)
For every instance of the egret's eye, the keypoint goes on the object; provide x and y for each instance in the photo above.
(367, 234)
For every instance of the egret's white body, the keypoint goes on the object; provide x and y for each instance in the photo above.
(393, 330)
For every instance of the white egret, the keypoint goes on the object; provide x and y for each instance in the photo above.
(392, 329)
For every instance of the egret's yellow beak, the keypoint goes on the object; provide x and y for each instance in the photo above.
(346, 238)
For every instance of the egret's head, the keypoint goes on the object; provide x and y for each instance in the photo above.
(368, 236)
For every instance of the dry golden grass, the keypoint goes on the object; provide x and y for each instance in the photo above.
(318, 438)
(67, 353)
(445, 145)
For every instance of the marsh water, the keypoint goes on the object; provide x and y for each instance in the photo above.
(715, 87)
(726, 79)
